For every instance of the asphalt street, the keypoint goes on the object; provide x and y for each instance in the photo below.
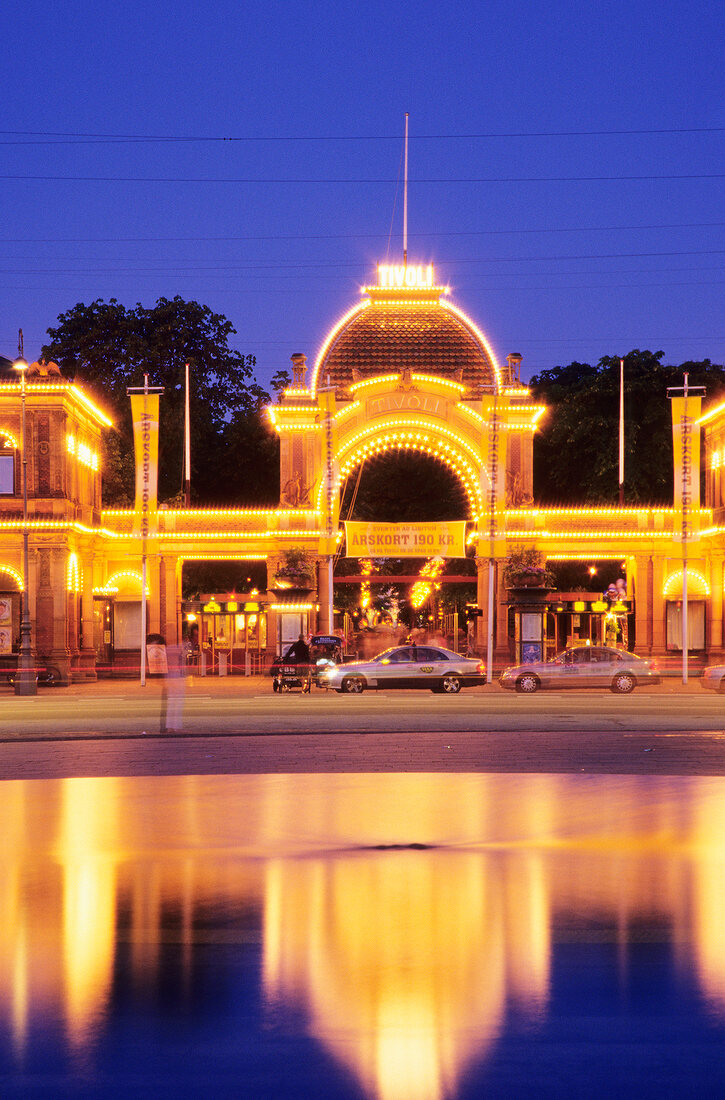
(250, 707)
(241, 727)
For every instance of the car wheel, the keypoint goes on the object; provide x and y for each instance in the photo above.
(353, 685)
(451, 685)
(623, 683)
(527, 684)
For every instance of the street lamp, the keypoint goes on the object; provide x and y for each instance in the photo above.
(25, 681)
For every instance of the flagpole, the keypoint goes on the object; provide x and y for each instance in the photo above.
(187, 445)
(621, 432)
(405, 197)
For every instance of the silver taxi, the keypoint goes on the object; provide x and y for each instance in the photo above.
(583, 666)
(408, 666)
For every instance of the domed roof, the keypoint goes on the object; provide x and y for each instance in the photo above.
(397, 329)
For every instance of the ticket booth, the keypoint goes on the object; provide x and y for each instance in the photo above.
(225, 637)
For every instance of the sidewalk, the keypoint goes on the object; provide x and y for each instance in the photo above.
(229, 686)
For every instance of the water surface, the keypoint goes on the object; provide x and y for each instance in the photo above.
(394, 937)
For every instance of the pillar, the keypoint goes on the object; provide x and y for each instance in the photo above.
(86, 669)
(170, 599)
(642, 593)
(482, 566)
(715, 639)
(57, 612)
(324, 594)
(659, 641)
(155, 582)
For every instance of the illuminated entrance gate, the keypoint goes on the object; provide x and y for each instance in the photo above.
(407, 370)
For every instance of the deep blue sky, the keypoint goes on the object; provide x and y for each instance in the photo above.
(317, 91)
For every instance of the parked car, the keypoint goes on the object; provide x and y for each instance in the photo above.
(713, 677)
(44, 673)
(583, 667)
(409, 666)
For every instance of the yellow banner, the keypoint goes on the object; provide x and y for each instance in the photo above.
(686, 454)
(145, 414)
(406, 540)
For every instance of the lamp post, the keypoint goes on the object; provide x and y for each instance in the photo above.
(25, 681)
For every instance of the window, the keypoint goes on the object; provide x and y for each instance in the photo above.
(424, 654)
(7, 472)
(400, 656)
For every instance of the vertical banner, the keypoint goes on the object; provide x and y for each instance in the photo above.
(145, 414)
(686, 448)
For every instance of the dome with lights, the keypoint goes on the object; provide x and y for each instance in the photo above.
(408, 327)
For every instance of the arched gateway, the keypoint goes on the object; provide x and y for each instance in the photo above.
(405, 369)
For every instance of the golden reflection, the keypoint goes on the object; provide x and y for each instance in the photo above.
(405, 915)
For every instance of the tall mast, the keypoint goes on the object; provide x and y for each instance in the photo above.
(405, 197)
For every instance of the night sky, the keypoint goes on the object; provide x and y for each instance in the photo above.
(248, 155)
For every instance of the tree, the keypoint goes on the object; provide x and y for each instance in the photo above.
(576, 451)
(107, 347)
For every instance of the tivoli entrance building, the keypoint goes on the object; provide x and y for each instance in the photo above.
(403, 370)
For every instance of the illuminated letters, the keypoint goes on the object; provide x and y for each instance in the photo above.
(400, 275)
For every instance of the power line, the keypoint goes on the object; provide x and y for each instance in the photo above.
(360, 180)
(92, 138)
(360, 236)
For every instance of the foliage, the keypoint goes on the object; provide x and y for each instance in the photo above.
(526, 566)
(296, 564)
(576, 451)
(108, 347)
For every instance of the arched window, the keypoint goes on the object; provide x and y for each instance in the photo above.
(8, 452)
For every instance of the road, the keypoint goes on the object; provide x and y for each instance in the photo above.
(239, 707)
(238, 728)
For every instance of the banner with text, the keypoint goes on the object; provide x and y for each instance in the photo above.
(406, 540)
(145, 414)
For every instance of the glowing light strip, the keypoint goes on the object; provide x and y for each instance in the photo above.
(199, 512)
(59, 387)
(17, 577)
(415, 422)
(537, 534)
(332, 335)
(131, 574)
(596, 511)
(291, 606)
(579, 556)
(480, 336)
(293, 391)
(305, 533)
(671, 584)
(222, 557)
(711, 414)
(82, 452)
(387, 378)
(9, 439)
(74, 576)
(346, 410)
(433, 378)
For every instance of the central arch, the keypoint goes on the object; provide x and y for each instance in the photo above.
(411, 433)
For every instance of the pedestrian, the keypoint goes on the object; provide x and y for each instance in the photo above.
(172, 697)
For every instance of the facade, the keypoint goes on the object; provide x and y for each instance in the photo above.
(404, 369)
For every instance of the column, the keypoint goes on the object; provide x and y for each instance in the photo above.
(324, 626)
(170, 599)
(642, 595)
(60, 653)
(154, 580)
(482, 601)
(659, 641)
(715, 624)
(87, 663)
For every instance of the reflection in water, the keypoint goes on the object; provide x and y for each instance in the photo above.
(406, 916)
